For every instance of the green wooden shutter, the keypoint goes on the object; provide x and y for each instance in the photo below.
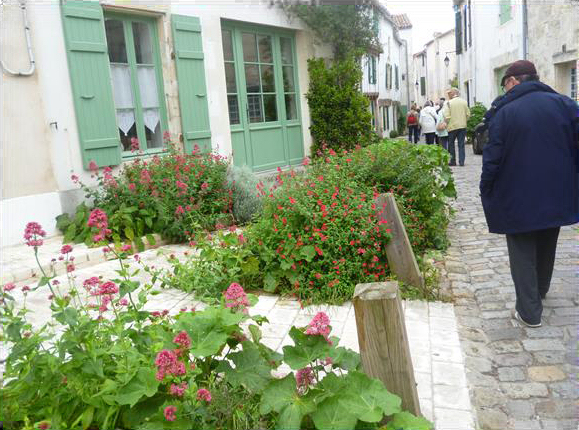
(88, 66)
(191, 82)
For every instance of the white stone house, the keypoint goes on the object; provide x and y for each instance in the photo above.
(489, 36)
(419, 82)
(440, 64)
(228, 77)
(385, 75)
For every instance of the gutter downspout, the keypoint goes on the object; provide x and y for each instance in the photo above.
(525, 30)
(407, 75)
(30, 71)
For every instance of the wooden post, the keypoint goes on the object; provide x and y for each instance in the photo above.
(398, 250)
(384, 349)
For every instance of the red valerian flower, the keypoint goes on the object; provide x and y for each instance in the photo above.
(33, 234)
(169, 413)
(178, 389)
(203, 394)
(235, 297)
(304, 378)
(320, 325)
(93, 167)
(66, 249)
(182, 339)
(9, 286)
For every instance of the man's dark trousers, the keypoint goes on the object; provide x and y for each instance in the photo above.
(531, 256)
(459, 134)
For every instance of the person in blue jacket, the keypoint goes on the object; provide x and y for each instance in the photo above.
(530, 180)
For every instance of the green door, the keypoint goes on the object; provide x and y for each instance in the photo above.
(262, 94)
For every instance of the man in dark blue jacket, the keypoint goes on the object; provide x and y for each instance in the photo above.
(529, 184)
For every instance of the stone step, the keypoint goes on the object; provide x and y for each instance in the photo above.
(18, 263)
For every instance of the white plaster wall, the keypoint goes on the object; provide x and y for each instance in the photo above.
(438, 73)
(496, 45)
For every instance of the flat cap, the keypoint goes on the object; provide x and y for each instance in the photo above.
(518, 68)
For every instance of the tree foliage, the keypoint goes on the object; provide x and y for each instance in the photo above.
(349, 29)
(338, 109)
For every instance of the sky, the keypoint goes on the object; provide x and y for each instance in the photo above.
(427, 17)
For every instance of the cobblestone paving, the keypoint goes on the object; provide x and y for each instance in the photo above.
(519, 378)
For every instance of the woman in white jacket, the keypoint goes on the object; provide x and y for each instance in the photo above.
(427, 121)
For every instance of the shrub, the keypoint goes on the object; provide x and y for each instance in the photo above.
(401, 122)
(105, 362)
(338, 109)
(477, 113)
(318, 236)
(247, 202)
(393, 134)
(169, 194)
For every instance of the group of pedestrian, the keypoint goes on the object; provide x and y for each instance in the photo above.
(442, 123)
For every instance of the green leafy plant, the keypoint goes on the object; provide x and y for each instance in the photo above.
(105, 362)
(168, 194)
(401, 122)
(349, 29)
(477, 113)
(338, 108)
(247, 201)
(393, 134)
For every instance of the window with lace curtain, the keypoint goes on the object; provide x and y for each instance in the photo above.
(136, 80)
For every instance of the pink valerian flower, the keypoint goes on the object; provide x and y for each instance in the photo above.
(25, 289)
(126, 248)
(98, 218)
(44, 425)
(203, 394)
(179, 210)
(137, 257)
(168, 364)
(204, 185)
(66, 249)
(182, 339)
(320, 325)
(235, 297)
(169, 413)
(93, 167)
(33, 234)
(304, 378)
(108, 288)
(132, 187)
(292, 200)
(134, 144)
(91, 283)
(70, 268)
(74, 178)
(178, 389)
(123, 302)
(145, 177)
(9, 286)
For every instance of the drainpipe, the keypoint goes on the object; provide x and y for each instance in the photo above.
(407, 75)
(525, 31)
(30, 71)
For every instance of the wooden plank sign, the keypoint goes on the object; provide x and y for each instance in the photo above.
(398, 250)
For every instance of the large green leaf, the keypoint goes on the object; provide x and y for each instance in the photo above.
(307, 349)
(209, 329)
(345, 358)
(407, 421)
(308, 252)
(269, 283)
(251, 369)
(367, 398)
(143, 383)
(331, 415)
(281, 396)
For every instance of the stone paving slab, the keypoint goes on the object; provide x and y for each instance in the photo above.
(432, 331)
(519, 378)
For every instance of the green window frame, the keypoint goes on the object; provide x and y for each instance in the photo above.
(397, 82)
(135, 64)
(423, 86)
(505, 13)
(372, 69)
(372, 111)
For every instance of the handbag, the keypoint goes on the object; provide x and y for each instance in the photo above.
(441, 126)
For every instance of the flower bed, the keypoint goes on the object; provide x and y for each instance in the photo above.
(170, 194)
(115, 365)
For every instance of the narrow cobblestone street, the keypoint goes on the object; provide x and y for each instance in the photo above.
(519, 378)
